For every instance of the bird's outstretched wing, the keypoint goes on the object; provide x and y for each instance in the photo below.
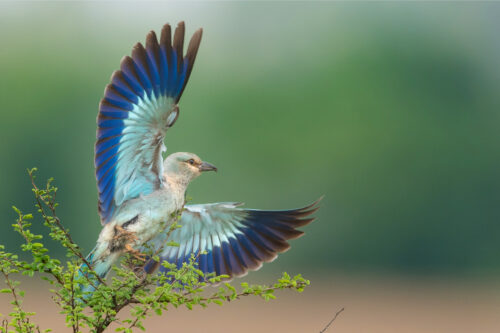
(235, 239)
(138, 107)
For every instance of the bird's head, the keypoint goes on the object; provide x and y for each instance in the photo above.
(184, 167)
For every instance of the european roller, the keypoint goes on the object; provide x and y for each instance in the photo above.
(141, 195)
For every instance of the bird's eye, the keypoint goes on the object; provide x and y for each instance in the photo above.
(191, 161)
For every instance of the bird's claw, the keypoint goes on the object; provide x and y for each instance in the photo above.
(135, 253)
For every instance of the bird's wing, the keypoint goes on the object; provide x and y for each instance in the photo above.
(235, 239)
(138, 107)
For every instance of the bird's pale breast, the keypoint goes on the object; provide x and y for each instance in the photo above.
(154, 212)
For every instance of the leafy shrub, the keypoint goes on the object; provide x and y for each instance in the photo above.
(128, 289)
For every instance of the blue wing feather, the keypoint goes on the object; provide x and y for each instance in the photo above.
(106, 183)
(120, 102)
(143, 77)
(255, 249)
(105, 154)
(105, 144)
(155, 71)
(202, 263)
(163, 70)
(209, 256)
(119, 83)
(114, 97)
(107, 132)
(210, 263)
(235, 240)
(119, 114)
(219, 265)
(241, 255)
(104, 179)
(172, 79)
(259, 241)
(133, 116)
(182, 78)
(106, 166)
(234, 265)
(110, 123)
(128, 70)
(106, 106)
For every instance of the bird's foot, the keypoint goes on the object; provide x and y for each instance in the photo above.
(135, 253)
(127, 239)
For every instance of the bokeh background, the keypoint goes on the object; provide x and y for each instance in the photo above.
(390, 110)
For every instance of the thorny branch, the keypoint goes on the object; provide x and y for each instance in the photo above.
(331, 321)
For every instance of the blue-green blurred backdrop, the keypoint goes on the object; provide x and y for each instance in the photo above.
(391, 110)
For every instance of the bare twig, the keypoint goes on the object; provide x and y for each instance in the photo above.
(331, 321)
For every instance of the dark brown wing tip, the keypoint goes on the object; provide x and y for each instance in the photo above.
(166, 26)
(166, 36)
(138, 45)
(302, 216)
(194, 45)
(139, 53)
(115, 74)
(151, 32)
(314, 206)
(126, 60)
(181, 25)
(315, 203)
(179, 38)
(301, 222)
(192, 50)
(151, 38)
(196, 38)
(300, 213)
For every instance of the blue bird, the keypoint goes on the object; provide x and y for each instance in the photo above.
(140, 194)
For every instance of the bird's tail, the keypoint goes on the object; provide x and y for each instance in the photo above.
(101, 267)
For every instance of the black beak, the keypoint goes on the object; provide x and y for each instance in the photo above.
(205, 166)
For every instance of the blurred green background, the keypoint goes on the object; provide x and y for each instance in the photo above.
(391, 110)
